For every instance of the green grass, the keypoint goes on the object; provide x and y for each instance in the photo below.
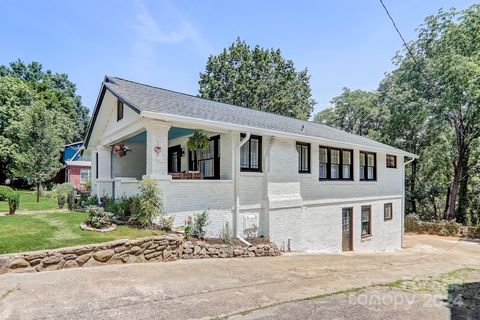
(54, 230)
(28, 201)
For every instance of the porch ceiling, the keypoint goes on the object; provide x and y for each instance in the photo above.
(174, 132)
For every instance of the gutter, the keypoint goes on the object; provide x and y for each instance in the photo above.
(403, 201)
(236, 189)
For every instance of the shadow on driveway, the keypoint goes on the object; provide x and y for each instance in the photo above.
(464, 301)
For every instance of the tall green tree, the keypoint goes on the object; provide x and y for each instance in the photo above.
(39, 146)
(259, 79)
(354, 111)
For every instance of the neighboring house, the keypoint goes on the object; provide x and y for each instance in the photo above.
(77, 167)
(299, 183)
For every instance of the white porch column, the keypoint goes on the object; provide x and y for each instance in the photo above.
(104, 163)
(157, 162)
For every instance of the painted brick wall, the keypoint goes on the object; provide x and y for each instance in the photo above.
(132, 165)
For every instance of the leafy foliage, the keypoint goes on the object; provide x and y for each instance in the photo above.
(150, 203)
(198, 141)
(200, 223)
(98, 217)
(5, 192)
(13, 202)
(166, 222)
(227, 234)
(63, 191)
(259, 79)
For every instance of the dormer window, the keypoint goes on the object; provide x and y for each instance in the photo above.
(119, 110)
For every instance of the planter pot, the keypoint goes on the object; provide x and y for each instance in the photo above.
(121, 153)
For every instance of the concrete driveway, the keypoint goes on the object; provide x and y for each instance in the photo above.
(192, 289)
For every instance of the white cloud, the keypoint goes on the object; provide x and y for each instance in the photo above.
(149, 33)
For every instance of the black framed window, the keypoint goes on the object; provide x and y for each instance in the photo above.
(119, 110)
(335, 164)
(366, 221)
(251, 154)
(206, 161)
(391, 161)
(303, 150)
(368, 166)
(388, 211)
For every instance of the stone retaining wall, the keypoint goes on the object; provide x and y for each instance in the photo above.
(157, 248)
(203, 250)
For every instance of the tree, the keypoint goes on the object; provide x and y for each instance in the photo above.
(40, 146)
(259, 79)
(354, 111)
(15, 97)
(58, 94)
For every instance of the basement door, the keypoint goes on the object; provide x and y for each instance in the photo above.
(347, 236)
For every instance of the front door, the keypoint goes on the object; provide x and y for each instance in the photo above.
(347, 229)
(174, 159)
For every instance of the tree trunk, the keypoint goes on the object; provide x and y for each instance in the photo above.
(445, 212)
(463, 191)
(413, 179)
(38, 192)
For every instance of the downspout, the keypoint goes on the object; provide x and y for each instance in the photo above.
(236, 189)
(403, 201)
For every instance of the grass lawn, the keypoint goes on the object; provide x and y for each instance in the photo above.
(55, 230)
(28, 201)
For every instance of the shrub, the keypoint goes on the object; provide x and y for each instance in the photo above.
(227, 234)
(13, 202)
(442, 228)
(188, 232)
(90, 201)
(200, 222)
(5, 192)
(473, 232)
(98, 217)
(166, 222)
(150, 203)
(63, 192)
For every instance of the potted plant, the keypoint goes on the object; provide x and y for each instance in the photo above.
(198, 141)
(121, 149)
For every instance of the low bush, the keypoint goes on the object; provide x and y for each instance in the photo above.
(188, 230)
(473, 232)
(5, 192)
(166, 223)
(13, 202)
(200, 223)
(227, 234)
(90, 201)
(442, 228)
(98, 217)
(64, 193)
(150, 203)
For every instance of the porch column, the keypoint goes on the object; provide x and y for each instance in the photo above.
(104, 165)
(157, 160)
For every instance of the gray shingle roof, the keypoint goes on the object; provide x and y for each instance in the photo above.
(148, 98)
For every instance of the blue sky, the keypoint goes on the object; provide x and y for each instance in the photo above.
(167, 43)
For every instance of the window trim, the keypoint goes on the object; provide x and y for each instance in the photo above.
(260, 154)
(386, 161)
(340, 164)
(192, 159)
(365, 168)
(385, 206)
(80, 174)
(369, 207)
(309, 156)
(120, 109)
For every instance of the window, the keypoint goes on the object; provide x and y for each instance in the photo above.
(119, 110)
(366, 221)
(206, 161)
(84, 175)
(303, 150)
(368, 166)
(391, 161)
(335, 164)
(251, 154)
(388, 211)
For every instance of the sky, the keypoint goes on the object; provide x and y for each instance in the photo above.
(343, 43)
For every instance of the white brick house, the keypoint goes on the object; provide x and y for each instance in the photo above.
(299, 183)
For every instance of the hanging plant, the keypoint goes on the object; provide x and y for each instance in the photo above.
(121, 149)
(198, 141)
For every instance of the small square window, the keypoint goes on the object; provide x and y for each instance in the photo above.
(391, 161)
(388, 211)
